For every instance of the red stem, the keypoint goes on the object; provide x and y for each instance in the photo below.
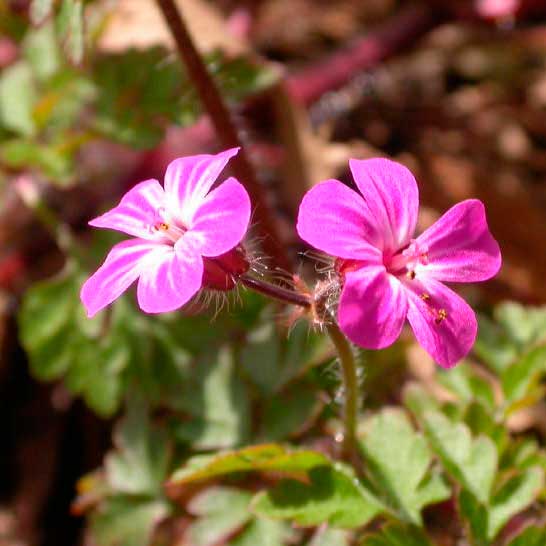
(225, 130)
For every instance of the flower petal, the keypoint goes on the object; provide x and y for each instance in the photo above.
(446, 339)
(189, 179)
(171, 280)
(460, 246)
(221, 220)
(333, 218)
(391, 193)
(372, 307)
(121, 267)
(136, 211)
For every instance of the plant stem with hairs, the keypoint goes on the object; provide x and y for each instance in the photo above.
(227, 134)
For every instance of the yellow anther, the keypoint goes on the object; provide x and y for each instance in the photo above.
(410, 275)
(425, 296)
(162, 226)
(441, 316)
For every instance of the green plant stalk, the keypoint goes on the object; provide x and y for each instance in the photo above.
(350, 387)
(344, 351)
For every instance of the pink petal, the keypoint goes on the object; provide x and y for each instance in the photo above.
(372, 307)
(136, 211)
(447, 339)
(189, 179)
(221, 220)
(171, 280)
(391, 193)
(333, 218)
(121, 267)
(460, 246)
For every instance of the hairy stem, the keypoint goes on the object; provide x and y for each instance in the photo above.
(225, 129)
(277, 292)
(350, 386)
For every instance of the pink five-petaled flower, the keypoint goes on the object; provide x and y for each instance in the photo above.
(387, 275)
(178, 231)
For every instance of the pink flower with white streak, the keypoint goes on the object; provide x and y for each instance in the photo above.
(388, 275)
(178, 230)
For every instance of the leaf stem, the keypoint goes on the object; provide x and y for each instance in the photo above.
(350, 386)
(227, 134)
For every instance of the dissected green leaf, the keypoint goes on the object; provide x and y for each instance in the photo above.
(524, 324)
(139, 464)
(221, 510)
(286, 413)
(70, 26)
(516, 493)
(41, 50)
(40, 10)
(464, 382)
(471, 461)
(494, 345)
(127, 521)
(261, 458)
(17, 98)
(333, 496)
(265, 532)
(398, 460)
(218, 403)
(330, 537)
(520, 378)
(396, 534)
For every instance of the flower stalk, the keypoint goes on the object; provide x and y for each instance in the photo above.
(350, 388)
(276, 292)
(225, 128)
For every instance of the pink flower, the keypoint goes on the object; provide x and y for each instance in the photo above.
(179, 231)
(387, 275)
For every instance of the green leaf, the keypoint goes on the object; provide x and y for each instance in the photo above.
(40, 10)
(221, 510)
(139, 464)
(127, 521)
(524, 324)
(472, 462)
(264, 532)
(70, 27)
(466, 384)
(285, 414)
(333, 496)
(17, 98)
(396, 534)
(517, 493)
(272, 357)
(41, 50)
(531, 536)
(521, 377)
(218, 403)
(61, 341)
(261, 458)
(494, 345)
(398, 460)
(23, 153)
(330, 537)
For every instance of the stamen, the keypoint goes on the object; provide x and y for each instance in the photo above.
(425, 296)
(410, 275)
(441, 316)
